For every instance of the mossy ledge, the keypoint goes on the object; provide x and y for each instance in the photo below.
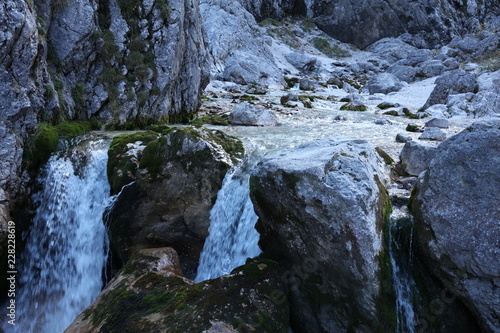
(44, 141)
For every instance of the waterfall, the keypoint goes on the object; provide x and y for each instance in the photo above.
(232, 237)
(60, 269)
(400, 249)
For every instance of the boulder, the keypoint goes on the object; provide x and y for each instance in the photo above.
(438, 122)
(322, 208)
(383, 83)
(403, 138)
(306, 84)
(302, 62)
(453, 82)
(432, 133)
(403, 72)
(457, 214)
(431, 68)
(150, 295)
(415, 158)
(248, 115)
(176, 184)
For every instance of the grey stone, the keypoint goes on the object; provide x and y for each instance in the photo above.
(391, 49)
(306, 84)
(431, 68)
(302, 62)
(320, 208)
(415, 158)
(236, 44)
(248, 115)
(453, 82)
(433, 134)
(403, 138)
(438, 122)
(383, 83)
(457, 219)
(403, 73)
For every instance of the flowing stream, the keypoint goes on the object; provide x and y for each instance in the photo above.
(66, 250)
(400, 249)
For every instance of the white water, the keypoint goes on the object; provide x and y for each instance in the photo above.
(60, 270)
(403, 282)
(233, 237)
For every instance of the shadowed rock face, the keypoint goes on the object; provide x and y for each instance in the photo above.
(456, 205)
(364, 22)
(150, 295)
(321, 208)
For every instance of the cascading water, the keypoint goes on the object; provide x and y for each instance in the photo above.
(400, 248)
(61, 266)
(233, 237)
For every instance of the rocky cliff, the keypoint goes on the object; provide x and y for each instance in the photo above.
(364, 22)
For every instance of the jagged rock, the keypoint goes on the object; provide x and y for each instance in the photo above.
(391, 49)
(249, 115)
(438, 122)
(236, 44)
(383, 83)
(403, 138)
(321, 208)
(457, 216)
(150, 295)
(432, 133)
(302, 62)
(306, 84)
(415, 158)
(436, 110)
(175, 187)
(453, 82)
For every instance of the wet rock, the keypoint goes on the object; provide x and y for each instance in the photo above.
(248, 115)
(355, 105)
(436, 110)
(383, 83)
(457, 219)
(438, 122)
(415, 158)
(403, 138)
(453, 82)
(414, 128)
(306, 84)
(433, 134)
(334, 253)
(176, 185)
(150, 295)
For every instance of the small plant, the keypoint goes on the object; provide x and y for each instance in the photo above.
(332, 51)
(79, 96)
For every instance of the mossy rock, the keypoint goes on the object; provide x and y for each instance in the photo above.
(121, 168)
(413, 128)
(142, 299)
(219, 120)
(291, 81)
(353, 106)
(391, 113)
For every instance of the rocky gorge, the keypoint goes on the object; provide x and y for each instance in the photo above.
(342, 113)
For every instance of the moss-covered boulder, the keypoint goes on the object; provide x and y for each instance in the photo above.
(150, 295)
(177, 177)
(322, 210)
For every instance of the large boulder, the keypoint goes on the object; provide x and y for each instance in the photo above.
(457, 219)
(322, 208)
(176, 183)
(383, 83)
(150, 295)
(453, 82)
(248, 115)
(415, 158)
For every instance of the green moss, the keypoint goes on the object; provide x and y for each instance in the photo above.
(413, 128)
(270, 21)
(291, 81)
(332, 51)
(391, 113)
(151, 159)
(345, 155)
(248, 98)
(387, 159)
(231, 144)
(213, 120)
(352, 107)
(385, 106)
(79, 96)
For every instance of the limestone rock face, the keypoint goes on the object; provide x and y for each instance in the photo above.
(237, 47)
(176, 184)
(415, 157)
(458, 216)
(453, 82)
(150, 295)
(321, 208)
